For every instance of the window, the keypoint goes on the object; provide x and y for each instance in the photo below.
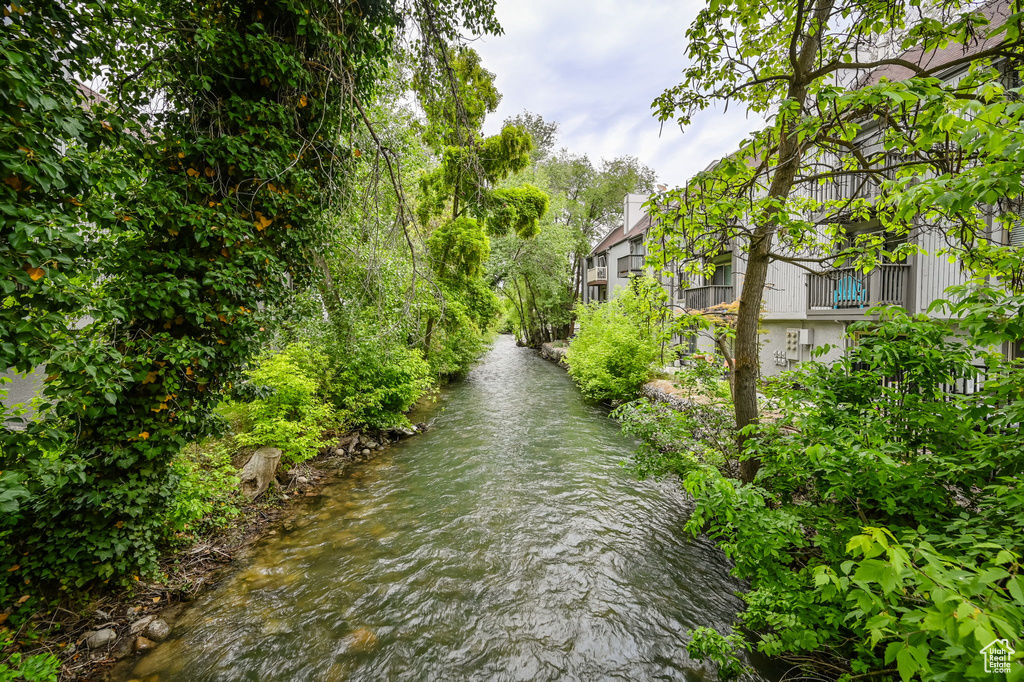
(723, 271)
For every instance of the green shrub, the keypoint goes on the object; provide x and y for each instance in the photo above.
(36, 668)
(615, 351)
(882, 534)
(702, 377)
(43, 667)
(207, 494)
(291, 413)
(377, 386)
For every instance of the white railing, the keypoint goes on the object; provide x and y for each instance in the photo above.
(598, 274)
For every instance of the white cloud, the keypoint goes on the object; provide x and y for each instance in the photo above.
(595, 66)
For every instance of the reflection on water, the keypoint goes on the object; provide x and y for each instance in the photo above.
(505, 544)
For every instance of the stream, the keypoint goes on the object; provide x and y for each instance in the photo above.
(506, 543)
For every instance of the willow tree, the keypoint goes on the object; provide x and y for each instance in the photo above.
(824, 73)
(463, 190)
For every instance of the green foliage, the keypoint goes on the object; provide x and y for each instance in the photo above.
(847, 140)
(702, 377)
(459, 249)
(376, 386)
(541, 275)
(519, 209)
(675, 439)
(33, 668)
(456, 106)
(50, 175)
(179, 231)
(881, 533)
(292, 414)
(543, 133)
(719, 648)
(616, 348)
(206, 497)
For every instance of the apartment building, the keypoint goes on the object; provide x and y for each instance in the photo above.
(804, 311)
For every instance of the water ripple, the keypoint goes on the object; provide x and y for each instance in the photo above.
(505, 544)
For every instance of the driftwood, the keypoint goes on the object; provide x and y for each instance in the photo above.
(348, 443)
(259, 471)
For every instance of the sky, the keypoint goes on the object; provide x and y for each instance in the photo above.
(595, 67)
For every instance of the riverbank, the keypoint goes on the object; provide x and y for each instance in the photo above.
(89, 637)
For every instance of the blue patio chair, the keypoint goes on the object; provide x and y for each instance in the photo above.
(850, 292)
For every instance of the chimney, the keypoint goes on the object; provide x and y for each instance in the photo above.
(632, 210)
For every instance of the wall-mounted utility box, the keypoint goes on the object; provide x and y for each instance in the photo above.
(806, 337)
(793, 344)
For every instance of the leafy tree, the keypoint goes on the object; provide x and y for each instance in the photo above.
(206, 212)
(938, 147)
(543, 133)
(592, 200)
(466, 181)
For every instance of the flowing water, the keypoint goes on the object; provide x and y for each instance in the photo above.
(506, 543)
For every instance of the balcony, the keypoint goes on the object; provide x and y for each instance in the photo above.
(842, 188)
(630, 265)
(598, 275)
(702, 298)
(843, 292)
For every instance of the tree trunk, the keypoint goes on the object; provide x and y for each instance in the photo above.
(427, 336)
(259, 471)
(522, 313)
(747, 362)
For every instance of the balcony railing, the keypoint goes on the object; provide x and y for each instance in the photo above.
(597, 275)
(845, 187)
(966, 382)
(702, 298)
(630, 264)
(848, 288)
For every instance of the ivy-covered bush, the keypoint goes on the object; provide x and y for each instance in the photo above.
(617, 347)
(42, 667)
(881, 536)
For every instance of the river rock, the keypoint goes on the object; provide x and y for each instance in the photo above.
(362, 639)
(302, 480)
(140, 625)
(158, 630)
(100, 638)
(143, 644)
(366, 452)
(339, 452)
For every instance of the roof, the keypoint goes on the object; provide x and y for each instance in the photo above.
(639, 229)
(619, 235)
(997, 12)
(90, 96)
(610, 240)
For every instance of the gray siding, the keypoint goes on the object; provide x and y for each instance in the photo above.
(932, 273)
(785, 295)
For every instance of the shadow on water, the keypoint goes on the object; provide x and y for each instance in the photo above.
(507, 543)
